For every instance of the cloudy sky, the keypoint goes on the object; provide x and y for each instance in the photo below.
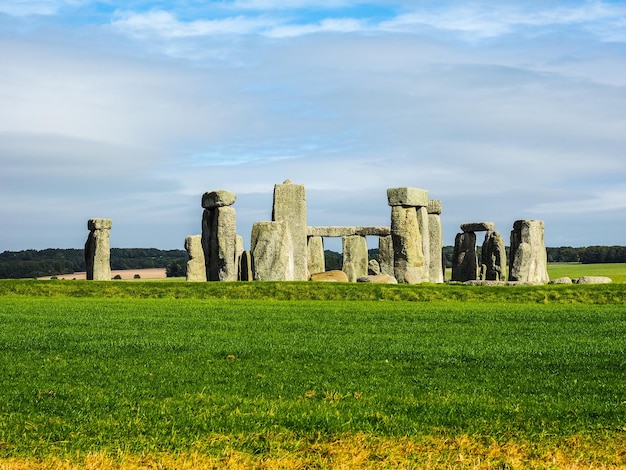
(130, 110)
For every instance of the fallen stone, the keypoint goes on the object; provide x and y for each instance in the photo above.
(329, 276)
(561, 280)
(219, 198)
(373, 267)
(409, 197)
(378, 279)
(594, 280)
(478, 227)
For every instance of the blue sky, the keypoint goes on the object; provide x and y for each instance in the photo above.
(131, 110)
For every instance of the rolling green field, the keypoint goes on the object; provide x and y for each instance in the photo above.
(182, 375)
(616, 271)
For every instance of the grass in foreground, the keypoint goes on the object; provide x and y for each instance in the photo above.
(300, 384)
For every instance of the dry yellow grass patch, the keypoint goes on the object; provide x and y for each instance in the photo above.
(360, 451)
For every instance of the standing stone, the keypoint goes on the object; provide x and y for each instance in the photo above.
(493, 257)
(316, 262)
(245, 266)
(529, 258)
(272, 252)
(98, 250)
(464, 261)
(407, 245)
(385, 255)
(290, 207)
(422, 222)
(435, 235)
(196, 267)
(354, 257)
(219, 241)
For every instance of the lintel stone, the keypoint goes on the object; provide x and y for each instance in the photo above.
(219, 198)
(99, 224)
(338, 231)
(410, 197)
(434, 206)
(478, 227)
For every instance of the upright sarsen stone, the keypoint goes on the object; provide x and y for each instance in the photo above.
(355, 257)
(219, 241)
(407, 245)
(464, 260)
(290, 207)
(316, 262)
(98, 250)
(529, 259)
(435, 236)
(196, 267)
(385, 255)
(493, 257)
(272, 252)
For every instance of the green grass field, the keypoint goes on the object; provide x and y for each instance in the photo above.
(211, 375)
(616, 271)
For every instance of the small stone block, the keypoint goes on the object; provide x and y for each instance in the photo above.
(219, 198)
(478, 227)
(434, 206)
(411, 197)
(99, 224)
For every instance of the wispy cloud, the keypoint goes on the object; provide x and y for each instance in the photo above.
(36, 7)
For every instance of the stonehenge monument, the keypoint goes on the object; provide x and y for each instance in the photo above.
(98, 250)
(410, 249)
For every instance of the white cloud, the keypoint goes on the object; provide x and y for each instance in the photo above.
(36, 7)
(165, 24)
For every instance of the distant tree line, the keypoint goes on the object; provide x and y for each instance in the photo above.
(53, 261)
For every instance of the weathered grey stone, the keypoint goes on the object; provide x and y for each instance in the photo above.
(594, 280)
(219, 198)
(330, 276)
(561, 280)
(422, 222)
(196, 267)
(378, 279)
(493, 256)
(407, 246)
(464, 260)
(373, 268)
(478, 227)
(272, 252)
(529, 259)
(434, 206)
(435, 235)
(374, 231)
(354, 257)
(99, 224)
(290, 207)
(245, 266)
(385, 255)
(219, 241)
(409, 197)
(316, 262)
(98, 250)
